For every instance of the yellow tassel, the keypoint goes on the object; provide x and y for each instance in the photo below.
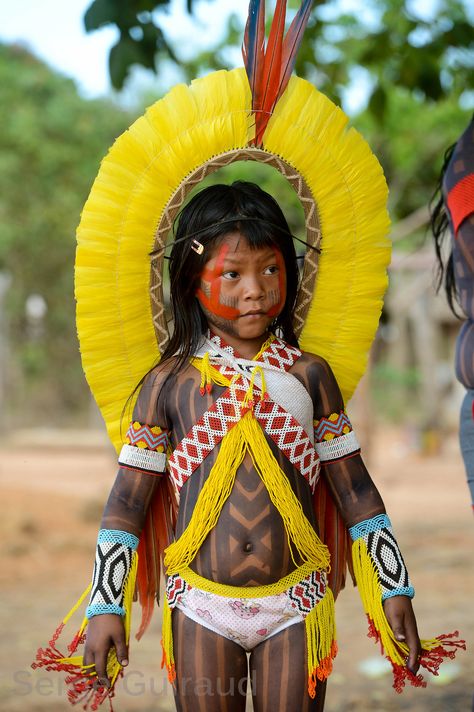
(214, 493)
(167, 642)
(371, 595)
(321, 646)
(113, 665)
(370, 592)
(208, 372)
(299, 530)
(248, 399)
(77, 605)
(206, 381)
(246, 435)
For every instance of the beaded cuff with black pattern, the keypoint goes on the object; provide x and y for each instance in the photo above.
(383, 549)
(113, 561)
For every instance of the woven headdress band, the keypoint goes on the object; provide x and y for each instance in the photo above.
(262, 114)
(191, 236)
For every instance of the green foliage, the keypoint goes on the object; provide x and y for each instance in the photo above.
(411, 146)
(50, 147)
(386, 38)
(391, 389)
(140, 37)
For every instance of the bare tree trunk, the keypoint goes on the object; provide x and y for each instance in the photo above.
(5, 281)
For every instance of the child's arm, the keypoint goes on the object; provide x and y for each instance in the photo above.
(354, 491)
(122, 522)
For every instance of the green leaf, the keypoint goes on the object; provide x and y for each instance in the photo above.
(378, 103)
(121, 57)
(99, 14)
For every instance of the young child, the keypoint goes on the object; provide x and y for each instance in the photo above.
(264, 483)
(247, 568)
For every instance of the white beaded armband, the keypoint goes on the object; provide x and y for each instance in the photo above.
(334, 438)
(113, 561)
(143, 460)
(383, 549)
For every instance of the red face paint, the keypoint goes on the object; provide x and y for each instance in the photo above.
(276, 308)
(212, 277)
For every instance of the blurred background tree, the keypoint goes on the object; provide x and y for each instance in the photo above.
(385, 42)
(50, 147)
(415, 71)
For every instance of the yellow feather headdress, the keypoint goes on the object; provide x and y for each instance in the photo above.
(192, 131)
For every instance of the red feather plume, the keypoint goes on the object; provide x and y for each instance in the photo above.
(157, 534)
(269, 70)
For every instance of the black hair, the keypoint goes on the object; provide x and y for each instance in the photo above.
(440, 228)
(210, 215)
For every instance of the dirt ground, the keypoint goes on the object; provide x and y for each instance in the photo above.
(53, 487)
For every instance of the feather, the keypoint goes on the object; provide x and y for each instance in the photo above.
(253, 49)
(156, 536)
(291, 43)
(273, 56)
(269, 69)
(333, 533)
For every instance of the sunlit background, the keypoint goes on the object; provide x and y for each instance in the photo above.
(404, 72)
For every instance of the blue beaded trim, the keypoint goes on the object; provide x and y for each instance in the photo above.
(360, 530)
(406, 591)
(98, 609)
(117, 536)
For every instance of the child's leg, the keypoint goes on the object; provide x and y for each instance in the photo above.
(278, 674)
(211, 671)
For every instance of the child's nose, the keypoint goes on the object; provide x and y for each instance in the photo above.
(253, 288)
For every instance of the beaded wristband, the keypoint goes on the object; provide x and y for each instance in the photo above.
(113, 561)
(383, 549)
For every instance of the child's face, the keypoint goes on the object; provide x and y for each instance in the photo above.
(242, 290)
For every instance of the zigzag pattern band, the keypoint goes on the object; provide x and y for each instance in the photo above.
(383, 549)
(333, 426)
(113, 561)
(150, 437)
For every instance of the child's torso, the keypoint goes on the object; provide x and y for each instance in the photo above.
(249, 545)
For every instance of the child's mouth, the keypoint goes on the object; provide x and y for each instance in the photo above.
(252, 315)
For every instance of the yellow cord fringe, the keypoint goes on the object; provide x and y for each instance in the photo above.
(371, 594)
(246, 436)
(320, 627)
(113, 665)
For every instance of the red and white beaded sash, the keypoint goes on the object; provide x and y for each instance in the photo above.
(229, 408)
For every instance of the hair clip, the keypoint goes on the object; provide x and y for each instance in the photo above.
(197, 247)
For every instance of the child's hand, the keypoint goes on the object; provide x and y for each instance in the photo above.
(401, 618)
(103, 632)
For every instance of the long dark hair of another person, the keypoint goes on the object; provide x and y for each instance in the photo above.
(440, 228)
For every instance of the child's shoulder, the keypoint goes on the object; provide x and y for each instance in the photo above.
(164, 372)
(155, 391)
(315, 364)
(320, 382)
